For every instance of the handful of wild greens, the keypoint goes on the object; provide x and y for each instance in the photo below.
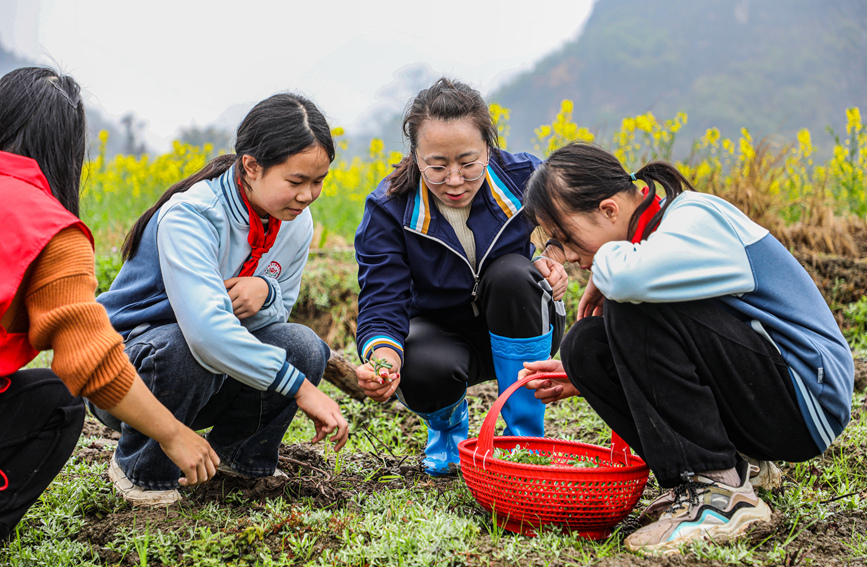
(523, 455)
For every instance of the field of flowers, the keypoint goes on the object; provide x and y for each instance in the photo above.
(777, 179)
(810, 206)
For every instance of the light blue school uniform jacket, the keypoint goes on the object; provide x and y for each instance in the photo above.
(195, 241)
(705, 248)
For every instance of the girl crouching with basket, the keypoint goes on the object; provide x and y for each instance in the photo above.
(713, 342)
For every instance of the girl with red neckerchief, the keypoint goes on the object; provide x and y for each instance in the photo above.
(211, 274)
(699, 340)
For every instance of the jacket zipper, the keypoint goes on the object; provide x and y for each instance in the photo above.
(466, 261)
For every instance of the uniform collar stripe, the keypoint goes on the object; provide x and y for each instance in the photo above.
(421, 210)
(233, 198)
(507, 201)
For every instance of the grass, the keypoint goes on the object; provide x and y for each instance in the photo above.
(420, 523)
(80, 521)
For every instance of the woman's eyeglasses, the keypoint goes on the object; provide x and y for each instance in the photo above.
(438, 174)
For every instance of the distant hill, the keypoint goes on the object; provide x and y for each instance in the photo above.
(773, 66)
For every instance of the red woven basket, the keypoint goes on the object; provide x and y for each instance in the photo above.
(523, 497)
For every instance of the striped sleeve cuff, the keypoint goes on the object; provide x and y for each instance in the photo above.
(288, 381)
(272, 295)
(380, 341)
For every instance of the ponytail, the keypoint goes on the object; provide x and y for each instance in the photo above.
(274, 130)
(673, 183)
(579, 176)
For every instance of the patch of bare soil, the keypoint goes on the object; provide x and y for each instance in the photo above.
(318, 480)
(860, 374)
(841, 280)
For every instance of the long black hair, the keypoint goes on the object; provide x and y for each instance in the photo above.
(446, 100)
(42, 117)
(579, 176)
(274, 130)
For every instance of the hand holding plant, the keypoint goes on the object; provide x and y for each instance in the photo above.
(381, 369)
(380, 375)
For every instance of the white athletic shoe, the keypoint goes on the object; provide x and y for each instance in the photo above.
(136, 495)
(764, 474)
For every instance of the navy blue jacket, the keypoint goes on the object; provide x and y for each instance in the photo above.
(410, 261)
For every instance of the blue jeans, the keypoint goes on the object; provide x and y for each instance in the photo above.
(247, 424)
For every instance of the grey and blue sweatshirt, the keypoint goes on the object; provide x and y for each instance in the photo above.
(197, 240)
(706, 248)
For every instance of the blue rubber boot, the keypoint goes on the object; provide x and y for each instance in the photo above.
(523, 413)
(446, 428)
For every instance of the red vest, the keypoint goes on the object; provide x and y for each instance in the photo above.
(30, 216)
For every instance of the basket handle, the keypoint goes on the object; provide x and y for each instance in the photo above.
(619, 447)
(486, 433)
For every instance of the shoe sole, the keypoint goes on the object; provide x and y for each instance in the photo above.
(729, 531)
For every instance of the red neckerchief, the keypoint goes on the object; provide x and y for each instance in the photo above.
(259, 240)
(645, 218)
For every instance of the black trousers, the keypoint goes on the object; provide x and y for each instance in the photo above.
(687, 385)
(40, 422)
(442, 357)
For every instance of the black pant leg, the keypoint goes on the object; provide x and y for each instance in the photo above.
(441, 359)
(516, 301)
(589, 365)
(40, 422)
(699, 384)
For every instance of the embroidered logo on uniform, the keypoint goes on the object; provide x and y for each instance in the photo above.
(273, 270)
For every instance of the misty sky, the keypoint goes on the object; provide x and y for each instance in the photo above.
(178, 62)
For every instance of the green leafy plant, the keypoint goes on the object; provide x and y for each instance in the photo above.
(381, 368)
(856, 329)
(586, 463)
(522, 455)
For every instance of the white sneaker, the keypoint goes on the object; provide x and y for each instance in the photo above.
(764, 474)
(227, 470)
(701, 509)
(136, 495)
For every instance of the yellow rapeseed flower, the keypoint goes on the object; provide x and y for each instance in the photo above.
(645, 122)
(853, 120)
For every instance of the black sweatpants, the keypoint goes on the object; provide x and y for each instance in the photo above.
(687, 385)
(442, 357)
(40, 422)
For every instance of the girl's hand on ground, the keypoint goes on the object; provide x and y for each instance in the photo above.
(192, 454)
(548, 390)
(248, 295)
(591, 302)
(325, 414)
(187, 449)
(556, 275)
(376, 387)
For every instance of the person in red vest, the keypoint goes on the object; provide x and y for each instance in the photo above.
(47, 287)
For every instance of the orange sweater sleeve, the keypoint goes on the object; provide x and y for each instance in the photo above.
(64, 316)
